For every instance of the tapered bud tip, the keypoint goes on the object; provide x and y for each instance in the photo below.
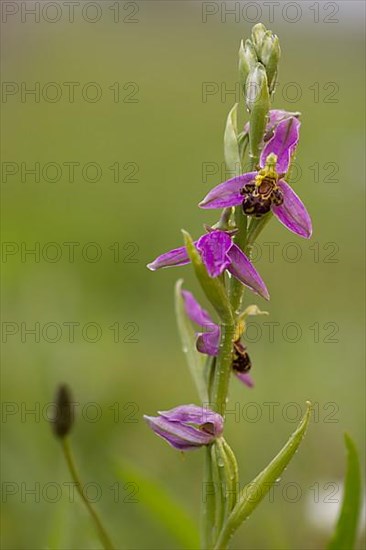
(63, 417)
(258, 32)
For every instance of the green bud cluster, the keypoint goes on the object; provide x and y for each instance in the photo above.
(258, 68)
(262, 49)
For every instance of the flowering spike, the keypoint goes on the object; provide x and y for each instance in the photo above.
(63, 418)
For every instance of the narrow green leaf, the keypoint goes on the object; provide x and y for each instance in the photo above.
(255, 491)
(243, 141)
(346, 529)
(161, 505)
(211, 286)
(231, 145)
(195, 360)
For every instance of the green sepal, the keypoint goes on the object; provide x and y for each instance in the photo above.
(211, 286)
(231, 145)
(243, 140)
(195, 360)
(346, 529)
(255, 491)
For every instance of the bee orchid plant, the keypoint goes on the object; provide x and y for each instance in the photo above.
(222, 264)
(215, 348)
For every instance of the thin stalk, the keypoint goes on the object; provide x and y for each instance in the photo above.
(255, 228)
(102, 533)
(223, 368)
(208, 502)
(211, 376)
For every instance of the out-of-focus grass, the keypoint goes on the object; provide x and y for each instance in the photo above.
(169, 133)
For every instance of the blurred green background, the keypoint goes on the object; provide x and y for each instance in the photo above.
(167, 129)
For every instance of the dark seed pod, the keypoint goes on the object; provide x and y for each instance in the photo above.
(63, 418)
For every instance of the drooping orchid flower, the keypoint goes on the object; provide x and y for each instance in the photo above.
(208, 341)
(218, 252)
(187, 427)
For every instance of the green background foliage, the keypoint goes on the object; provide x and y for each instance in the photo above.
(170, 132)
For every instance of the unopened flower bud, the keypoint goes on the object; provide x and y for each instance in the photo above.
(270, 56)
(258, 32)
(267, 48)
(63, 418)
(257, 88)
(258, 104)
(247, 61)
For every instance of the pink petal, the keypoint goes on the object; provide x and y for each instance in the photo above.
(245, 378)
(178, 256)
(292, 213)
(244, 270)
(227, 193)
(214, 248)
(209, 342)
(282, 144)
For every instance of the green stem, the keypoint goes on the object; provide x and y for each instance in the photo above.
(208, 502)
(256, 226)
(211, 374)
(223, 368)
(103, 535)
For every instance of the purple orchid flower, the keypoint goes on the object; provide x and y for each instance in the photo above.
(218, 252)
(187, 427)
(208, 342)
(265, 190)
